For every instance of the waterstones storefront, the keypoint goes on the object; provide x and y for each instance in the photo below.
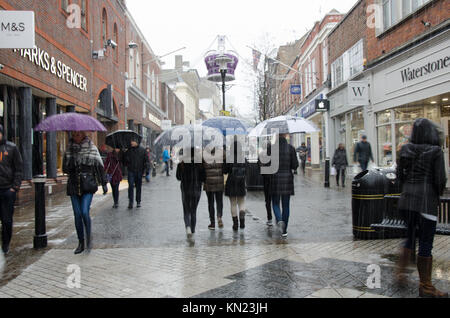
(411, 85)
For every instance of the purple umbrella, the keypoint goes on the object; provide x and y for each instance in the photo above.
(70, 122)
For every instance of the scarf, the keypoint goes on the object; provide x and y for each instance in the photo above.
(85, 153)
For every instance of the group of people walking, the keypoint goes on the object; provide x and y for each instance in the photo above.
(279, 187)
(420, 170)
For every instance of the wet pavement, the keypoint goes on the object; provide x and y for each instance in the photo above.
(144, 252)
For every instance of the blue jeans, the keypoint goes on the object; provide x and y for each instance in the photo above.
(81, 207)
(364, 165)
(167, 168)
(285, 200)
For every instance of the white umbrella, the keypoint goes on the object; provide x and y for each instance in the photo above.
(284, 125)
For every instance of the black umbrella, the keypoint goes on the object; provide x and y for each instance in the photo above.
(122, 139)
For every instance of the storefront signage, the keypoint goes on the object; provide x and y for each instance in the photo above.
(296, 89)
(322, 105)
(310, 108)
(17, 29)
(58, 68)
(358, 93)
(154, 119)
(410, 74)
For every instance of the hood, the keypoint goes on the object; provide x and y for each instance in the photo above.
(425, 132)
(413, 151)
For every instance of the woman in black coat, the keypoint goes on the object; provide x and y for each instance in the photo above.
(191, 175)
(340, 163)
(282, 183)
(235, 187)
(421, 171)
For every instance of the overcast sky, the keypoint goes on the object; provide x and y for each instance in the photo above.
(169, 25)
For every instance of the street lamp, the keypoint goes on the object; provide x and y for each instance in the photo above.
(222, 61)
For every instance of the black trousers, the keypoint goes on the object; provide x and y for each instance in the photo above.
(7, 200)
(115, 192)
(303, 165)
(268, 200)
(134, 180)
(218, 197)
(340, 174)
(190, 204)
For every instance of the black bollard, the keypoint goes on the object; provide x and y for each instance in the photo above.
(327, 173)
(40, 237)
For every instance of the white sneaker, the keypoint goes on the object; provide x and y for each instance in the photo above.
(269, 223)
(188, 232)
(284, 235)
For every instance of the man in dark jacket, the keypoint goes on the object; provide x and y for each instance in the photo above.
(11, 172)
(363, 153)
(138, 164)
(282, 183)
(340, 163)
(191, 175)
(421, 172)
(303, 153)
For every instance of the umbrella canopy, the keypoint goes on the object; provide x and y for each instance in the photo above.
(227, 125)
(285, 125)
(122, 139)
(70, 122)
(174, 135)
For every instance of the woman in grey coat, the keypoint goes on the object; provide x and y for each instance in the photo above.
(421, 171)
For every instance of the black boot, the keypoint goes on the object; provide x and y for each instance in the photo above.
(235, 223)
(80, 247)
(242, 219)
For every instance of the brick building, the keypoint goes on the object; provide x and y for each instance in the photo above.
(310, 69)
(97, 63)
(400, 52)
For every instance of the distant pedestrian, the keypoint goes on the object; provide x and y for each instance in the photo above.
(113, 172)
(11, 173)
(282, 183)
(363, 153)
(84, 166)
(235, 188)
(191, 175)
(340, 163)
(303, 154)
(214, 188)
(422, 174)
(166, 160)
(266, 183)
(137, 163)
(151, 159)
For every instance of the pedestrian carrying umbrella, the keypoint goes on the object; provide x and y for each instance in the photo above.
(70, 122)
(284, 125)
(227, 125)
(199, 135)
(121, 139)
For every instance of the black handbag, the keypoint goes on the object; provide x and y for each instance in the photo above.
(88, 183)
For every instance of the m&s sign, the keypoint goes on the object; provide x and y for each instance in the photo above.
(17, 29)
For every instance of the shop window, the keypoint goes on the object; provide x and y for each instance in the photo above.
(384, 117)
(385, 156)
(404, 114)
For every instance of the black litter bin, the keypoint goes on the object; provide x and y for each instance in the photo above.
(253, 176)
(393, 224)
(368, 191)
